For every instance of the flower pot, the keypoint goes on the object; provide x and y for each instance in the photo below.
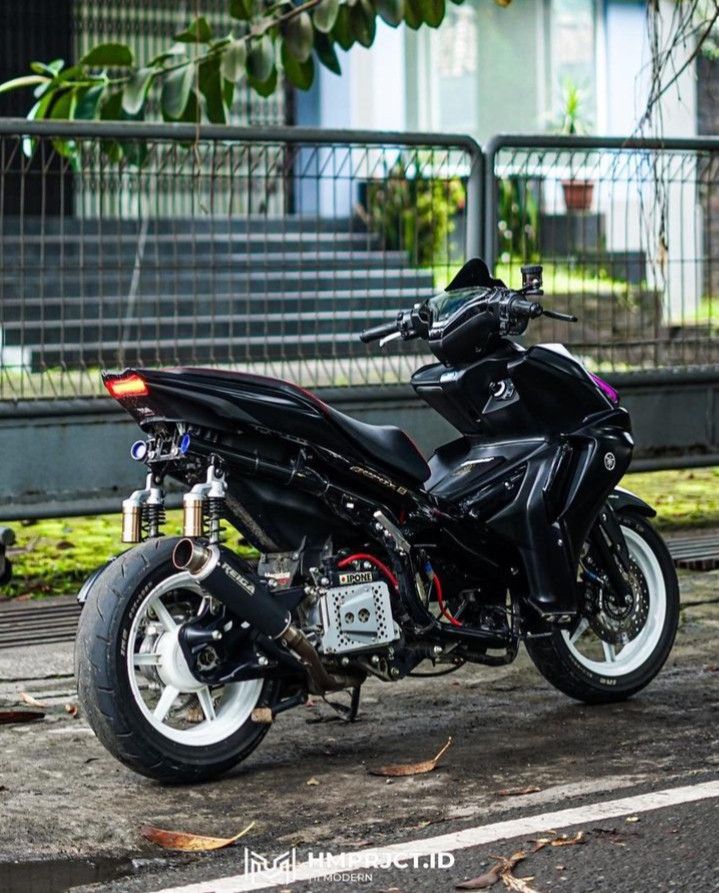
(578, 194)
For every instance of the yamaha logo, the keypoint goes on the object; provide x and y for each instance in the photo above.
(610, 461)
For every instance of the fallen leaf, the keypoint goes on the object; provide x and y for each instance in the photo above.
(71, 709)
(519, 792)
(518, 884)
(312, 781)
(564, 840)
(32, 702)
(194, 714)
(190, 843)
(483, 882)
(404, 769)
(632, 819)
(262, 716)
(501, 870)
(7, 717)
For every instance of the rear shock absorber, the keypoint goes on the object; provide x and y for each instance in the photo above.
(203, 506)
(153, 513)
(143, 512)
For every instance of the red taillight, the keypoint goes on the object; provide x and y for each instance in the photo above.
(127, 386)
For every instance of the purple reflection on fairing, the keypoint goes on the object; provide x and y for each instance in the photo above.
(605, 388)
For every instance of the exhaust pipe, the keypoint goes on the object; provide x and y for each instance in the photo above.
(228, 579)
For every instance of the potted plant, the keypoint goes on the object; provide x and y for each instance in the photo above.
(578, 192)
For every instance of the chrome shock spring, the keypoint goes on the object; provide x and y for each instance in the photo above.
(213, 516)
(153, 519)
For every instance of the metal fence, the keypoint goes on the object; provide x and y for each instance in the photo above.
(140, 244)
(628, 232)
(144, 244)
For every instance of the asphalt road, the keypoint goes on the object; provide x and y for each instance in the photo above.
(63, 797)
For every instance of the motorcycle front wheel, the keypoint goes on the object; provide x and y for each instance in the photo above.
(609, 655)
(133, 682)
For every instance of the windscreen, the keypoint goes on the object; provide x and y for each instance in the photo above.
(447, 303)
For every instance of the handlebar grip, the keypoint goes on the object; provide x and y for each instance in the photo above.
(378, 332)
(530, 309)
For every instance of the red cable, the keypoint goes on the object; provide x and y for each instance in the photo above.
(440, 601)
(365, 556)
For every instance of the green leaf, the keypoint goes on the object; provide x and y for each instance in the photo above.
(37, 112)
(135, 92)
(413, 14)
(392, 11)
(43, 68)
(228, 93)
(114, 55)
(342, 31)
(363, 22)
(260, 60)
(326, 52)
(192, 113)
(233, 62)
(111, 108)
(28, 80)
(433, 12)
(242, 9)
(176, 91)
(267, 87)
(198, 31)
(88, 102)
(299, 36)
(325, 15)
(210, 82)
(299, 74)
(177, 49)
(64, 108)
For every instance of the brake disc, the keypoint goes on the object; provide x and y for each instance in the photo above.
(616, 622)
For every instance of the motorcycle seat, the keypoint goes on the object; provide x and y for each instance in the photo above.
(389, 446)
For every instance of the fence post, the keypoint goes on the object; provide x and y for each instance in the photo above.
(475, 202)
(490, 203)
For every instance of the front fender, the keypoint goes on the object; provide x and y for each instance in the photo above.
(621, 499)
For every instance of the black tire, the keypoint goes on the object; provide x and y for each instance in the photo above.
(554, 660)
(103, 680)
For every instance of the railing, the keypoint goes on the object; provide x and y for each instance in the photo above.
(271, 249)
(142, 244)
(628, 232)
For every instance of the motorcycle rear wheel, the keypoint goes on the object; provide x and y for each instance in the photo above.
(614, 674)
(133, 683)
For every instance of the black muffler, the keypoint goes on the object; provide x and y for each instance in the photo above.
(230, 580)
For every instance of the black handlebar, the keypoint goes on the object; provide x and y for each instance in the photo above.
(378, 332)
(512, 308)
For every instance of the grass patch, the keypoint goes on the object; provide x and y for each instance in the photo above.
(684, 498)
(54, 557)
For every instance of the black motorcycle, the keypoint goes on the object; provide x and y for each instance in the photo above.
(368, 560)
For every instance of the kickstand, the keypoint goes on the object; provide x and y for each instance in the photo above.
(346, 713)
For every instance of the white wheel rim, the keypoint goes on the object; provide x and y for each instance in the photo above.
(627, 659)
(225, 708)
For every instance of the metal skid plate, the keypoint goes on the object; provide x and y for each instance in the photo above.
(355, 618)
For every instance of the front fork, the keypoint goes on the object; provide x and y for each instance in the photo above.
(607, 538)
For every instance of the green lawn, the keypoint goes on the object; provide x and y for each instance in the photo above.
(54, 557)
